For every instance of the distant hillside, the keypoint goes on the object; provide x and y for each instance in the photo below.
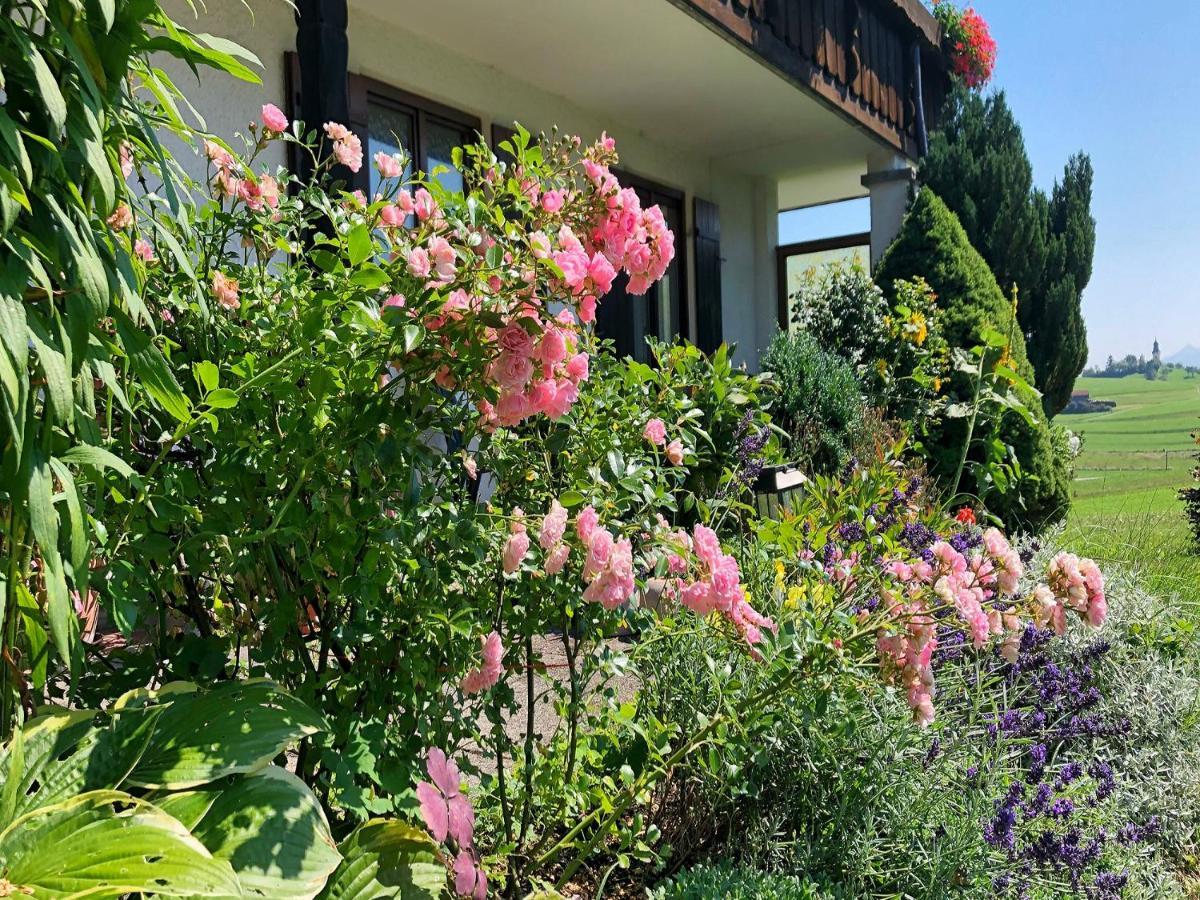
(1188, 356)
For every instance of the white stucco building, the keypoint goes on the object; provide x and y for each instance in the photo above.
(725, 112)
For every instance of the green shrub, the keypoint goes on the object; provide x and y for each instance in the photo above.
(844, 310)
(820, 403)
(737, 883)
(896, 347)
(933, 245)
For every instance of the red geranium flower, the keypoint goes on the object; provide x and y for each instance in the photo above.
(966, 516)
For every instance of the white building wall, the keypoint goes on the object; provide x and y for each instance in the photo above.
(392, 55)
(225, 104)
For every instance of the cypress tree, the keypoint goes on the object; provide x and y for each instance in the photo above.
(1043, 244)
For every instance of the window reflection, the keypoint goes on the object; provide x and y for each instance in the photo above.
(388, 131)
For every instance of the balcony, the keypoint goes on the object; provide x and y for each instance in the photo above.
(877, 62)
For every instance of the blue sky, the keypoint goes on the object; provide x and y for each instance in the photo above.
(1121, 82)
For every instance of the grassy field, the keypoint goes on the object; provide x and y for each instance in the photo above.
(1125, 506)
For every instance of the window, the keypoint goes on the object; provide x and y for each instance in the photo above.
(388, 118)
(662, 311)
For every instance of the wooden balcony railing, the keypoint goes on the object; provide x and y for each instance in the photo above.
(875, 61)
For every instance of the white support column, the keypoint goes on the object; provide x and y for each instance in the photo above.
(766, 284)
(890, 184)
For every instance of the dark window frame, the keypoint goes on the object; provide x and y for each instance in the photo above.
(365, 90)
(362, 90)
(784, 251)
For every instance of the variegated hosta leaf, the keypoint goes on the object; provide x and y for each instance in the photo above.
(64, 754)
(233, 728)
(176, 738)
(271, 829)
(387, 859)
(106, 844)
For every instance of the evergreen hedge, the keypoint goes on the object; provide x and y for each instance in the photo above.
(933, 245)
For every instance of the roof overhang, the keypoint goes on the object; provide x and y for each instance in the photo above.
(656, 66)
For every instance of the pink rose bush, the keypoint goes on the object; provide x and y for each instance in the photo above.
(707, 580)
(490, 669)
(504, 314)
(978, 588)
(968, 582)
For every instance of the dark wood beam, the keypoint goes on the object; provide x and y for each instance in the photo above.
(323, 56)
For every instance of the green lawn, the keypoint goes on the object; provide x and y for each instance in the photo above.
(1125, 506)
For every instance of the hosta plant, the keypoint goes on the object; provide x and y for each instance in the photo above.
(174, 792)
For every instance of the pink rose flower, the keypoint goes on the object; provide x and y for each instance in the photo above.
(225, 290)
(586, 522)
(143, 249)
(552, 201)
(442, 258)
(391, 216)
(347, 148)
(514, 552)
(577, 367)
(273, 118)
(515, 339)
(539, 244)
(512, 371)
(388, 165)
(424, 205)
(554, 525)
(655, 432)
(125, 152)
(557, 558)
(121, 218)
(675, 452)
(490, 669)
(418, 262)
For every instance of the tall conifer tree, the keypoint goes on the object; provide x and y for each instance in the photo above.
(1043, 244)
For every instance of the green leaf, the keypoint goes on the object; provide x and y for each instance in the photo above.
(89, 134)
(234, 728)
(77, 534)
(148, 363)
(98, 458)
(358, 244)
(272, 830)
(411, 336)
(52, 98)
(55, 369)
(70, 752)
(221, 398)
(12, 329)
(108, 11)
(16, 146)
(370, 276)
(571, 498)
(387, 859)
(108, 843)
(207, 375)
(85, 262)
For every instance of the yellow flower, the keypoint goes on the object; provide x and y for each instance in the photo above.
(794, 596)
(919, 328)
